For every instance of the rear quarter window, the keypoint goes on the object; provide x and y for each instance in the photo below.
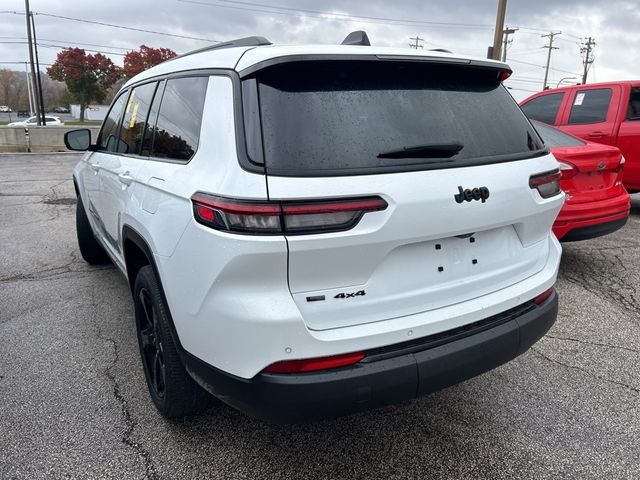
(177, 129)
(337, 117)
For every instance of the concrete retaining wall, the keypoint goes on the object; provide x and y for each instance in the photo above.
(40, 139)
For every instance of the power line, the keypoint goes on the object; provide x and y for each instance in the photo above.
(542, 66)
(22, 63)
(66, 47)
(299, 12)
(123, 27)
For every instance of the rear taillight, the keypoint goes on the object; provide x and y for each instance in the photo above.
(547, 183)
(567, 170)
(315, 364)
(504, 75)
(543, 297)
(291, 218)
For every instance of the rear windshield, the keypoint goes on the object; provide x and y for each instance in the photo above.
(338, 117)
(553, 137)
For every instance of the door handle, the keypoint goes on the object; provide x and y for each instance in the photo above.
(125, 178)
(596, 134)
(94, 166)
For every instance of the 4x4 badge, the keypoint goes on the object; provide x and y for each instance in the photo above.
(468, 194)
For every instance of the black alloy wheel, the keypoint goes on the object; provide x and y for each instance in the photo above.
(172, 390)
(151, 345)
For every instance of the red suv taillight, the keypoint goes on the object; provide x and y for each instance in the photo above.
(286, 217)
(547, 183)
(567, 170)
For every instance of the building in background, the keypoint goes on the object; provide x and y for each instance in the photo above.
(92, 112)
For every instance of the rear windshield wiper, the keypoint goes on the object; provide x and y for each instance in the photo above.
(428, 150)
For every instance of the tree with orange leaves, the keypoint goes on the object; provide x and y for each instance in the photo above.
(147, 57)
(87, 76)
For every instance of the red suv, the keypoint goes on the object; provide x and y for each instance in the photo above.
(607, 113)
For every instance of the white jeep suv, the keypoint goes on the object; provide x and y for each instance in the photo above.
(310, 231)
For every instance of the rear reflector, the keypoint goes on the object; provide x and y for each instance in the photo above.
(547, 183)
(291, 218)
(540, 299)
(315, 364)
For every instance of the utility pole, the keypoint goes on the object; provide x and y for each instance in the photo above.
(33, 68)
(506, 42)
(29, 87)
(587, 49)
(35, 47)
(494, 52)
(550, 35)
(417, 44)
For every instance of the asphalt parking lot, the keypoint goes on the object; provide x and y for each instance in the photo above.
(73, 401)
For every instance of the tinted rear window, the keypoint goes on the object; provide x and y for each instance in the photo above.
(555, 138)
(335, 118)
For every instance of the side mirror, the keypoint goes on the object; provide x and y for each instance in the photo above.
(79, 140)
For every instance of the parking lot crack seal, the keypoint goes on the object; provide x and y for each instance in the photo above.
(130, 423)
(597, 344)
(585, 371)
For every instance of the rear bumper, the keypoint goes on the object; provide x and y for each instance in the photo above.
(588, 220)
(387, 375)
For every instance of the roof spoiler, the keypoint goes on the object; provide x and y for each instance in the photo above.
(358, 37)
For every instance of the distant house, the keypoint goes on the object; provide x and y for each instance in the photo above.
(92, 112)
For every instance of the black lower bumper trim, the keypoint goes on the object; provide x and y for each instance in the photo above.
(593, 231)
(313, 396)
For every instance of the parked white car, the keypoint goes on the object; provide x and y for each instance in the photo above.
(33, 121)
(5, 109)
(310, 231)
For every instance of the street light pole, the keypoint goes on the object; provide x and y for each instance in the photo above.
(563, 79)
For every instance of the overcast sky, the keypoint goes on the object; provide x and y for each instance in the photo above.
(613, 24)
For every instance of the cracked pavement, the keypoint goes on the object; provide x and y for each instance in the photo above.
(73, 402)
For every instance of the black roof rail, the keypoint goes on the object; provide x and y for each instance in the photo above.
(239, 42)
(358, 37)
(443, 50)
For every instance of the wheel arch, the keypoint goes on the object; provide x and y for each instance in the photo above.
(75, 186)
(137, 254)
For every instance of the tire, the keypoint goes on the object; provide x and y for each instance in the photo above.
(91, 250)
(172, 390)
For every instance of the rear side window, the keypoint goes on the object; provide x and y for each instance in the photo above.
(135, 116)
(633, 111)
(109, 134)
(544, 108)
(555, 138)
(590, 106)
(177, 130)
(353, 117)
